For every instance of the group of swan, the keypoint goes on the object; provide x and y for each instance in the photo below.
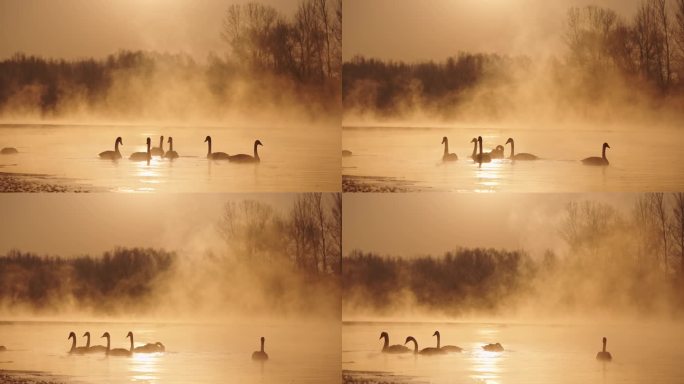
(443, 349)
(439, 350)
(498, 153)
(171, 154)
(147, 348)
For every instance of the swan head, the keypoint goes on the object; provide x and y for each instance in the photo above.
(86, 334)
(499, 148)
(169, 140)
(119, 141)
(263, 339)
(444, 139)
(149, 141)
(129, 334)
(510, 140)
(71, 334)
(383, 334)
(106, 334)
(474, 140)
(207, 139)
(436, 333)
(161, 139)
(258, 142)
(479, 139)
(410, 338)
(605, 145)
(605, 341)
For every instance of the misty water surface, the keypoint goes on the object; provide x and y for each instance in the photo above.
(293, 158)
(639, 160)
(642, 353)
(298, 352)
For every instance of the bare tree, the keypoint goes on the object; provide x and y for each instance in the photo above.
(678, 226)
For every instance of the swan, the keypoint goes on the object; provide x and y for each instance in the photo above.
(242, 158)
(497, 153)
(115, 154)
(396, 348)
(482, 157)
(117, 351)
(142, 156)
(595, 160)
(493, 347)
(519, 156)
(447, 156)
(147, 348)
(158, 151)
(171, 154)
(74, 348)
(604, 355)
(474, 155)
(94, 348)
(424, 351)
(260, 355)
(346, 153)
(8, 151)
(446, 348)
(2, 348)
(215, 155)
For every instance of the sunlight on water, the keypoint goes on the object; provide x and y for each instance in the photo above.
(146, 366)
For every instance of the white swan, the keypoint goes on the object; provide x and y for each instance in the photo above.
(142, 156)
(115, 154)
(214, 155)
(243, 158)
(171, 154)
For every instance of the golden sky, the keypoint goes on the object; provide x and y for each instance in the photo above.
(85, 28)
(414, 224)
(75, 224)
(416, 30)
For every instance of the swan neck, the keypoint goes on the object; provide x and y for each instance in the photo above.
(131, 342)
(262, 345)
(116, 146)
(108, 345)
(512, 148)
(438, 340)
(446, 147)
(480, 144)
(475, 148)
(161, 143)
(73, 342)
(385, 345)
(415, 346)
(170, 145)
(604, 346)
(87, 340)
(603, 152)
(256, 154)
(148, 147)
(208, 147)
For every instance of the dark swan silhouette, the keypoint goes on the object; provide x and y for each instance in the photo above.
(158, 151)
(446, 348)
(94, 348)
(396, 348)
(74, 348)
(448, 156)
(424, 351)
(147, 348)
(260, 355)
(8, 151)
(346, 153)
(117, 351)
(493, 347)
(214, 155)
(142, 156)
(115, 154)
(2, 348)
(482, 157)
(519, 156)
(604, 355)
(243, 158)
(595, 160)
(170, 154)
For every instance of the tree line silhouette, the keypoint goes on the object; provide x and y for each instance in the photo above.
(270, 59)
(604, 52)
(623, 260)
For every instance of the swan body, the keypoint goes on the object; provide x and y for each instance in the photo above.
(424, 351)
(604, 355)
(74, 348)
(519, 156)
(115, 154)
(260, 355)
(214, 155)
(142, 156)
(481, 157)
(346, 153)
(147, 348)
(493, 347)
(158, 151)
(8, 151)
(171, 154)
(2, 348)
(396, 348)
(93, 348)
(594, 160)
(243, 158)
(448, 156)
(117, 351)
(497, 153)
(446, 348)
